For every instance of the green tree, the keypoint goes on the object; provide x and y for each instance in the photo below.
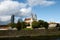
(43, 23)
(46, 25)
(23, 24)
(58, 26)
(35, 24)
(12, 25)
(18, 25)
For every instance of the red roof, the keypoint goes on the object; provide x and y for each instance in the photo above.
(27, 19)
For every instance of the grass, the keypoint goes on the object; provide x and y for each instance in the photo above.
(27, 29)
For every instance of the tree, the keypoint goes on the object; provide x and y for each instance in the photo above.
(23, 24)
(18, 25)
(35, 24)
(58, 26)
(46, 25)
(12, 25)
(42, 23)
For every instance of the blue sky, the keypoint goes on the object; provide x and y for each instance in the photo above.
(47, 13)
(48, 10)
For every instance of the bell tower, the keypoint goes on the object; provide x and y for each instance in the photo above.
(34, 16)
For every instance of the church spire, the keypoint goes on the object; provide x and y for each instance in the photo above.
(34, 16)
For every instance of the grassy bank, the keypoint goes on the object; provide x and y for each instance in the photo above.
(41, 32)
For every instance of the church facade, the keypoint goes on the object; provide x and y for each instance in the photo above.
(29, 21)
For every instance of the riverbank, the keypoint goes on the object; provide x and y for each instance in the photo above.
(32, 38)
(24, 33)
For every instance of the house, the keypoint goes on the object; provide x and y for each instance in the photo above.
(4, 27)
(52, 24)
(28, 22)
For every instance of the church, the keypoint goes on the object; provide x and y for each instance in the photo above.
(29, 20)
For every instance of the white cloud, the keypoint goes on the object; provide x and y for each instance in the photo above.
(4, 0)
(40, 2)
(7, 0)
(5, 18)
(10, 7)
(25, 11)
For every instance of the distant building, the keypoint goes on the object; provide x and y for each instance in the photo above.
(52, 24)
(12, 19)
(29, 22)
(4, 27)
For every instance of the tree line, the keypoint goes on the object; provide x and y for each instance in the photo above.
(35, 24)
(39, 24)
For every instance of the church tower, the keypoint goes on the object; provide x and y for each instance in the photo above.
(34, 16)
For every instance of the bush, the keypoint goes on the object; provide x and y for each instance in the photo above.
(42, 23)
(35, 24)
(12, 25)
